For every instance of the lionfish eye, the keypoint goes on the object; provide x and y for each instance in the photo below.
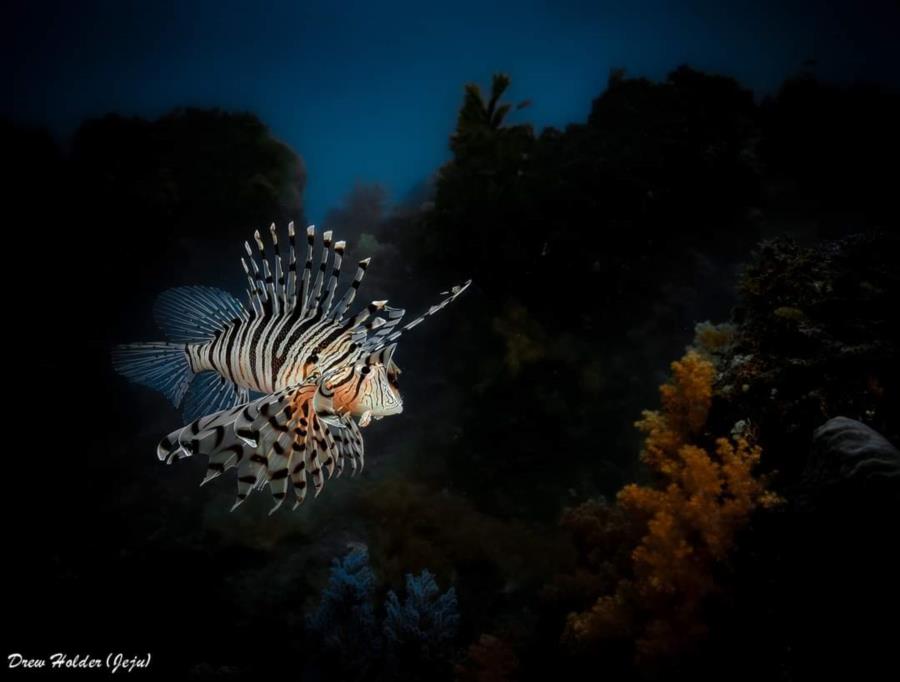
(365, 370)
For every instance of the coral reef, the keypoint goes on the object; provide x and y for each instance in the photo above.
(704, 492)
(419, 631)
(814, 337)
(415, 638)
(490, 659)
(344, 621)
(604, 537)
(413, 526)
(593, 249)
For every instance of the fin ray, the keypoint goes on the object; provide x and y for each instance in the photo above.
(164, 367)
(195, 314)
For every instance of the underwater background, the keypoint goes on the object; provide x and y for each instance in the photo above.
(656, 438)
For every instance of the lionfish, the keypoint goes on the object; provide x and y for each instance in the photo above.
(324, 371)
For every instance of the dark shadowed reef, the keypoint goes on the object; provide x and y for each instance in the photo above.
(763, 234)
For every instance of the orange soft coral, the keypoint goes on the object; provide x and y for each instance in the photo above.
(705, 492)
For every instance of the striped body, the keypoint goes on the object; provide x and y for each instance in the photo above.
(323, 373)
(267, 353)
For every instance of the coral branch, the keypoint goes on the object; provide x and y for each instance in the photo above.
(704, 493)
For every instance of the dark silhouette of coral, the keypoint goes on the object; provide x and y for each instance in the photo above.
(344, 621)
(815, 336)
(420, 630)
(415, 638)
(490, 659)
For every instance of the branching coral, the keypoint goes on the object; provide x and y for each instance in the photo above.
(603, 536)
(415, 638)
(703, 494)
(425, 619)
(714, 339)
(345, 619)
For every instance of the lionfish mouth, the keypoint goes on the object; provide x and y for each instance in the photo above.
(396, 408)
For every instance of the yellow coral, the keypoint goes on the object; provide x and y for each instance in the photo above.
(714, 339)
(791, 314)
(702, 497)
(687, 399)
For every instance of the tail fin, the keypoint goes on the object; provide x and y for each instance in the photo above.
(164, 367)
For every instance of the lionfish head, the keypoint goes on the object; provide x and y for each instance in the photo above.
(379, 386)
